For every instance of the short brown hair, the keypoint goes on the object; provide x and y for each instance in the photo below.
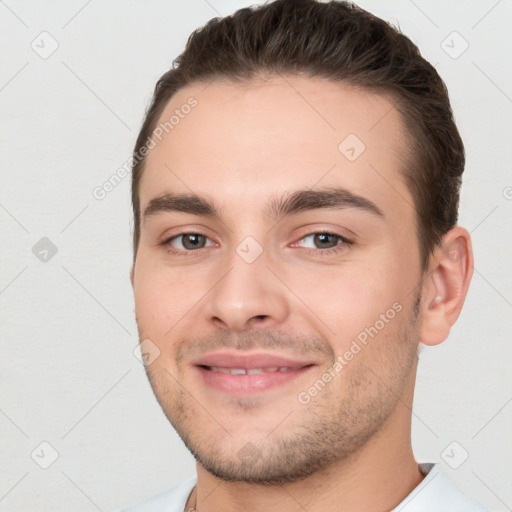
(341, 42)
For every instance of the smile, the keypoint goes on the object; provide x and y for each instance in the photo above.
(248, 373)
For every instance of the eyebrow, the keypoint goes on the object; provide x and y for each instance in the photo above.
(333, 198)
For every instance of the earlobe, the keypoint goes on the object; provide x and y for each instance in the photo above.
(445, 286)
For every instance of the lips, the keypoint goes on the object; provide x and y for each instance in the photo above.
(248, 373)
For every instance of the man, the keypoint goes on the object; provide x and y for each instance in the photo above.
(295, 191)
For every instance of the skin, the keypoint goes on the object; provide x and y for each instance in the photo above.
(349, 447)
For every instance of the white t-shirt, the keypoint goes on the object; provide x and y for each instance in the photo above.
(436, 493)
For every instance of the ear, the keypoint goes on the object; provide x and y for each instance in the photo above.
(445, 286)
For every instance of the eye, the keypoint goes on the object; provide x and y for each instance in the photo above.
(322, 240)
(323, 243)
(188, 242)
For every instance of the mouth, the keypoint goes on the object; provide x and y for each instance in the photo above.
(248, 374)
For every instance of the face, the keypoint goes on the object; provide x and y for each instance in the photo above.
(277, 274)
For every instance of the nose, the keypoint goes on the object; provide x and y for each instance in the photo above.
(247, 296)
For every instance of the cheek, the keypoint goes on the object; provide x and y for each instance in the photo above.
(347, 300)
(162, 298)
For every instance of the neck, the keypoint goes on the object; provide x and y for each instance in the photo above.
(375, 478)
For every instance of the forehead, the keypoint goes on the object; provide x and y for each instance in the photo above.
(239, 143)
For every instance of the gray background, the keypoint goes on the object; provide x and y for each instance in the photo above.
(68, 373)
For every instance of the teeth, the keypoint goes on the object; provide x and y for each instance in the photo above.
(232, 371)
(252, 371)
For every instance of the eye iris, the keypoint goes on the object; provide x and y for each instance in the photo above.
(325, 240)
(193, 241)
